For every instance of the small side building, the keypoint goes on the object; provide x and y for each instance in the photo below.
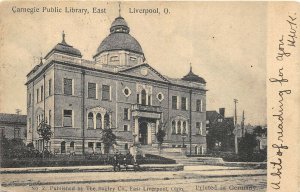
(13, 126)
(219, 131)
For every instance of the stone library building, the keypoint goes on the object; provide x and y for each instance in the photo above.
(115, 90)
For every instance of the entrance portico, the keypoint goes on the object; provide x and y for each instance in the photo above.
(146, 121)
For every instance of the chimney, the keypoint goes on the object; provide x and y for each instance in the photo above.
(222, 111)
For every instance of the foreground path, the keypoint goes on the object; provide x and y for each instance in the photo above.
(193, 178)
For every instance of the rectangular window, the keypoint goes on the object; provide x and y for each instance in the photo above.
(68, 86)
(42, 93)
(37, 95)
(92, 90)
(126, 146)
(125, 127)
(90, 144)
(67, 118)
(106, 92)
(17, 133)
(50, 87)
(199, 105)
(50, 117)
(199, 127)
(98, 145)
(149, 100)
(138, 98)
(183, 103)
(126, 114)
(174, 102)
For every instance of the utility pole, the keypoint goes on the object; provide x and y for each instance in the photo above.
(235, 113)
(236, 127)
(243, 124)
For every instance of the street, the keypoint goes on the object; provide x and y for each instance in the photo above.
(193, 178)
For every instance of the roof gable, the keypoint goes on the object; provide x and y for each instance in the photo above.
(144, 71)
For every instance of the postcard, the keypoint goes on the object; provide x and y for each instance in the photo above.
(158, 96)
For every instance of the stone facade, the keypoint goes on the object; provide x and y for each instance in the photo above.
(118, 91)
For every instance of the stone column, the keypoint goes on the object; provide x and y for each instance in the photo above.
(136, 127)
(149, 133)
(94, 119)
(102, 120)
(181, 125)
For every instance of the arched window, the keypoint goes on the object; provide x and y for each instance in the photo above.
(90, 121)
(106, 121)
(173, 127)
(72, 146)
(143, 94)
(63, 147)
(184, 127)
(179, 127)
(98, 121)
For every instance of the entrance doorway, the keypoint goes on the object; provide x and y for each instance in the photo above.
(143, 130)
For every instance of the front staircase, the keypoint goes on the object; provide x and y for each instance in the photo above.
(180, 157)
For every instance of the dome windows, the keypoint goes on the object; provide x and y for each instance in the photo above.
(114, 58)
(132, 58)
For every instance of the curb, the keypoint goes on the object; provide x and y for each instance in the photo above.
(149, 167)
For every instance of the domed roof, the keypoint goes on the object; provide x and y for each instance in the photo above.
(119, 39)
(193, 77)
(119, 21)
(64, 48)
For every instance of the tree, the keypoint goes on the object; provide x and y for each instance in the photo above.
(259, 131)
(109, 139)
(246, 146)
(44, 130)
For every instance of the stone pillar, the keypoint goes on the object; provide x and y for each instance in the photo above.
(94, 119)
(181, 125)
(102, 120)
(149, 133)
(147, 99)
(136, 127)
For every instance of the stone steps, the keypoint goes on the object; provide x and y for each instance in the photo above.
(182, 159)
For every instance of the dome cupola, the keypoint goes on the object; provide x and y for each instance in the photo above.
(119, 25)
(64, 48)
(119, 47)
(193, 77)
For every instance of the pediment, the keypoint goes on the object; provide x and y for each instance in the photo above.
(144, 71)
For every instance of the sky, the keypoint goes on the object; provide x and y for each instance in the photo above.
(224, 41)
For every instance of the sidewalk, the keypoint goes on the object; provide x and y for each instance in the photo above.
(190, 174)
(104, 168)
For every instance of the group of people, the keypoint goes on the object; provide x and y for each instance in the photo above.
(125, 160)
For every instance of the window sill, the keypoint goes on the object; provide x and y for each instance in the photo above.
(106, 100)
(93, 98)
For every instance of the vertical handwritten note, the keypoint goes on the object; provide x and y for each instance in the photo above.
(281, 90)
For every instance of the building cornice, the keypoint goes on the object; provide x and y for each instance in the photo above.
(107, 72)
